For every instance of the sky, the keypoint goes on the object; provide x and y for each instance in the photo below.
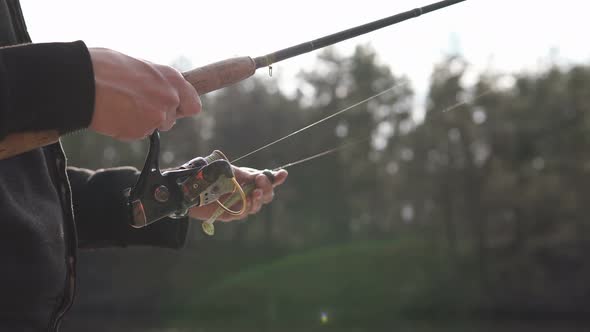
(507, 36)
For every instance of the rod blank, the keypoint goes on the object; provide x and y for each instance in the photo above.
(267, 60)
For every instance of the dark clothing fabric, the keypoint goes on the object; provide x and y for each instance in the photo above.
(48, 210)
(102, 216)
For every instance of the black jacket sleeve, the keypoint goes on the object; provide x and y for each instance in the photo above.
(51, 87)
(102, 216)
(45, 86)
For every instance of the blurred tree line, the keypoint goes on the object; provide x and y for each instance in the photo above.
(492, 175)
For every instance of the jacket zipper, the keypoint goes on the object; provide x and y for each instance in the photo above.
(63, 190)
(65, 197)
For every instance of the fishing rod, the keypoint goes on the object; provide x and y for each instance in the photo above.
(205, 180)
(227, 72)
(224, 73)
(306, 47)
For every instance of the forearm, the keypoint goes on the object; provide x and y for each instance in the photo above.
(102, 215)
(45, 87)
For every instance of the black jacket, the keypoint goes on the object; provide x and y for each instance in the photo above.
(48, 210)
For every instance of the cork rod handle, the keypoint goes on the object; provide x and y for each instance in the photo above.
(205, 79)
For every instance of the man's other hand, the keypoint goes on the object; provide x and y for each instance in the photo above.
(263, 194)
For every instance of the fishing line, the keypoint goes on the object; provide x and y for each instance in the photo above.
(319, 121)
(321, 154)
(464, 102)
(358, 141)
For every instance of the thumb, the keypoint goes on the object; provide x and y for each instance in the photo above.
(280, 177)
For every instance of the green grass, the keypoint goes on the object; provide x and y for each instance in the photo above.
(361, 284)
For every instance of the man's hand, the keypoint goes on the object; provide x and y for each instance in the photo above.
(135, 97)
(263, 194)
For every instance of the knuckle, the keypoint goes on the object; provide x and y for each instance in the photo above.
(172, 98)
(261, 180)
(158, 117)
(168, 83)
(172, 75)
(196, 100)
(152, 119)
